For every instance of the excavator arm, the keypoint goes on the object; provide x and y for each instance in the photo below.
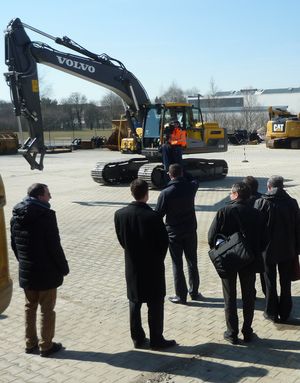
(22, 56)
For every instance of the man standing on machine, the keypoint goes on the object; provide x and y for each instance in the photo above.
(174, 142)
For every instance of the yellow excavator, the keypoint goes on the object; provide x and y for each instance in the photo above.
(6, 284)
(283, 129)
(22, 56)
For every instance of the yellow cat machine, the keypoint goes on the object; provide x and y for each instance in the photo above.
(6, 284)
(22, 56)
(122, 139)
(9, 143)
(283, 129)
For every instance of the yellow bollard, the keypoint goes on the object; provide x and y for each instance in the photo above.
(6, 284)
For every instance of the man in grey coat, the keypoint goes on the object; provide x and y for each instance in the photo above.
(143, 236)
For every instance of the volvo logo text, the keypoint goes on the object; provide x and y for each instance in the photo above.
(76, 64)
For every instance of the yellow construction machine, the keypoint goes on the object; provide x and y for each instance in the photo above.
(5, 280)
(9, 143)
(122, 138)
(283, 129)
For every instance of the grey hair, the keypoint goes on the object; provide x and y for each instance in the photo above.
(275, 182)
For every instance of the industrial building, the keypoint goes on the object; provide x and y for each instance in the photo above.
(259, 100)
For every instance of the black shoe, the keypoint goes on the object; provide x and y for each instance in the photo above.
(271, 318)
(32, 350)
(141, 343)
(55, 347)
(230, 338)
(250, 337)
(178, 300)
(162, 344)
(197, 297)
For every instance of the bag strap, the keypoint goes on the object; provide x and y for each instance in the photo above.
(236, 215)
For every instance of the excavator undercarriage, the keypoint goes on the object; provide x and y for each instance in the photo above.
(153, 172)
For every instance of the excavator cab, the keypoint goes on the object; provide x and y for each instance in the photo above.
(201, 136)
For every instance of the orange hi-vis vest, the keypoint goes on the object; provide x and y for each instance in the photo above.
(178, 137)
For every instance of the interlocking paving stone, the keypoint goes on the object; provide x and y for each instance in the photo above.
(92, 308)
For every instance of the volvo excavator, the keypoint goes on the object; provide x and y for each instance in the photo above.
(22, 56)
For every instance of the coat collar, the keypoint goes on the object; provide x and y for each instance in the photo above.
(140, 204)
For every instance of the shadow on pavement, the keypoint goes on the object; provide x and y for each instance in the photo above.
(162, 363)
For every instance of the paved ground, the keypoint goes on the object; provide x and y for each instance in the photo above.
(92, 309)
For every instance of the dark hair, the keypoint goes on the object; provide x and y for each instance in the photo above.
(252, 183)
(242, 190)
(36, 190)
(175, 170)
(275, 182)
(139, 188)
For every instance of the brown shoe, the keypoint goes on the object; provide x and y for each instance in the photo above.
(55, 347)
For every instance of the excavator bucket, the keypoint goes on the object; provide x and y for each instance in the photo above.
(34, 156)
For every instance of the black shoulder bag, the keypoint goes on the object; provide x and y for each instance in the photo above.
(231, 253)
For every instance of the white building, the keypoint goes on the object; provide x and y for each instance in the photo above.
(258, 99)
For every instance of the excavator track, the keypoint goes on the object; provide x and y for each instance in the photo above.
(198, 168)
(154, 174)
(117, 172)
(204, 170)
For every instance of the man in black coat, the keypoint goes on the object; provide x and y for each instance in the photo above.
(281, 216)
(42, 265)
(142, 235)
(252, 183)
(177, 203)
(226, 223)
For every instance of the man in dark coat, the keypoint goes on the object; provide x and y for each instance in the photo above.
(226, 223)
(281, 216)
(42, 265)
(177, 203)
(252, 183)
(142, 235)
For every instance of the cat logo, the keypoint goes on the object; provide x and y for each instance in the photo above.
(278, 127)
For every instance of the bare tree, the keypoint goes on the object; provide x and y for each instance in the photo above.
(251, 115)
(112, 107)
(7, 118)
(92, 116)
(212, 102)
(173, 94)
(74, 106)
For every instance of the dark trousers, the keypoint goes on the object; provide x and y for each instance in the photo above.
(247, 282)
(278, 305)
(187, 244)
(171, 155)
(155, 320)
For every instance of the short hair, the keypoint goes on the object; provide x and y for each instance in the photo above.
(242, 190)
(275, 182)
(175, 170)
(252, 183)
(139, 188)
(36, 190)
